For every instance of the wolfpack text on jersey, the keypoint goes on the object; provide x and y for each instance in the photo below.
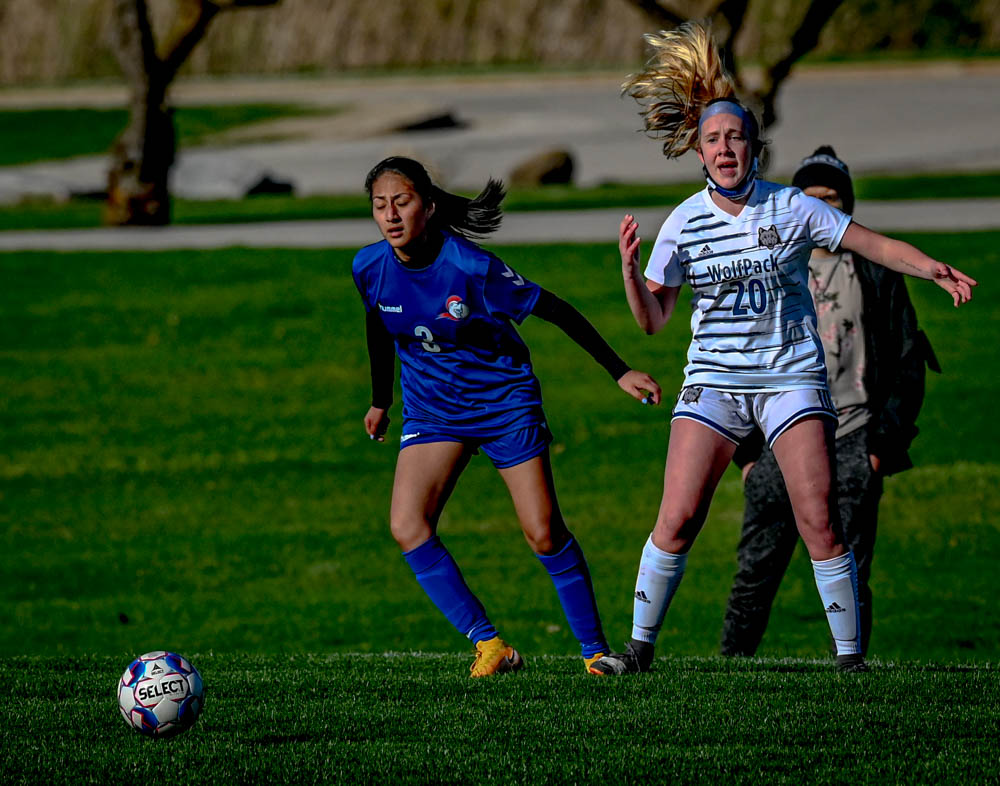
(753, 326)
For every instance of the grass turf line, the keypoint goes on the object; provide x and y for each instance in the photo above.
(413, 719)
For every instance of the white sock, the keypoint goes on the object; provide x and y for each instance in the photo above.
(660, 572)
(837, 582)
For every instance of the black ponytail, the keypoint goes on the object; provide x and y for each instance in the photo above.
(470, 218)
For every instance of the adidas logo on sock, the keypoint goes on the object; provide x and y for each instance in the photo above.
(705, 250)
(640, 595)
(834, 607)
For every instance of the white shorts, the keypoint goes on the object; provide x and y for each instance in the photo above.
(734, 415)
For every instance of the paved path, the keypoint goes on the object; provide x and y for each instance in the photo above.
(597, 226)
(937, 117)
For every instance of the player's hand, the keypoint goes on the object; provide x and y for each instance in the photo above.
(640, 386)
(628, 245)
(376, 423)
(954, 282)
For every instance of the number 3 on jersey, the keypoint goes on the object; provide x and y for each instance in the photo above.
(427, 337)
(755, 293)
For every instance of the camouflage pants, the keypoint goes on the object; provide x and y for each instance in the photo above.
(769, 538)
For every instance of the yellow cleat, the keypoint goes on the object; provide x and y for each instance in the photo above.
(588, 663)
(495, 656)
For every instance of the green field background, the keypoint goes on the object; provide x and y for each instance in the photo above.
(183, 466)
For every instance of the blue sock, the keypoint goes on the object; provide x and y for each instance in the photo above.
(439, 576)
(570, 574)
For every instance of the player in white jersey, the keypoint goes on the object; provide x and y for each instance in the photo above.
(743, 245)
(753, 330)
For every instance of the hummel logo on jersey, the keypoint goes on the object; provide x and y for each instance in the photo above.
(640, 595)
(409, 436)
(834, 607)
(705, 250)
(508, 273)
(392, 309)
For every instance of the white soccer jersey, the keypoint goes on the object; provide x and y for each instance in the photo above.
(754, 323)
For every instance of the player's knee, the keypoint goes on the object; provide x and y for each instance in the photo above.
(546, 537)
(545, 532)
(818, 535)
(675, 531)
(540, 538)
(409, 531)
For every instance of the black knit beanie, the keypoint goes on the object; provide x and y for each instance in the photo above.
(823, 168)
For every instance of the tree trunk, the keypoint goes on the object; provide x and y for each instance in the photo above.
(138, 192)
(138, 186)
(141, 158)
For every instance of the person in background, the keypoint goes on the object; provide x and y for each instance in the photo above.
(875, 361)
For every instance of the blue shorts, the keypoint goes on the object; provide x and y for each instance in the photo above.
(733, 415)
(504, 450)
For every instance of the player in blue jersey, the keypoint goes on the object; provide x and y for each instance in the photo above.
(755, 359)
(445, 306)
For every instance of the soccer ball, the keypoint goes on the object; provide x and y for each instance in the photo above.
(160, 694)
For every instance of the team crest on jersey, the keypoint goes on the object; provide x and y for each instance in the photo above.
(691, 395)
(768, 237)
(454, 309)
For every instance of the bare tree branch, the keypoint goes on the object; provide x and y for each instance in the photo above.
(727, 21)
(663, 16)
(728, 17)
(226, 4)
(803, 41)
(190, 26)
(133, 45)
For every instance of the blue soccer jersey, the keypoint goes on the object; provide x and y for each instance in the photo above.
(462, 363)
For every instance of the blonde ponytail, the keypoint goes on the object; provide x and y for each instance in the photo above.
(684, 74)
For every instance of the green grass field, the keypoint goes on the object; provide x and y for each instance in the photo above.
(183, 466)
(417, 719)
(30, 135)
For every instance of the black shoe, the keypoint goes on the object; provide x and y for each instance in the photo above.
(852, 664)
(632, 661)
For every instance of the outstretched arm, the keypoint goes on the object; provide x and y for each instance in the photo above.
(904, 258)
(651, 303)
(637, 384)
(382, 360)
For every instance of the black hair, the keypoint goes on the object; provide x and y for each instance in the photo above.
(469, 218)
(823, 168)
